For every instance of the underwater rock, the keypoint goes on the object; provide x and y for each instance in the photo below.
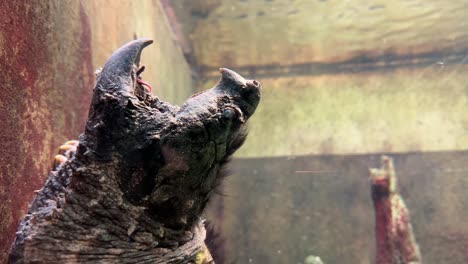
(134, 188)
(311, 259)
(395, 241)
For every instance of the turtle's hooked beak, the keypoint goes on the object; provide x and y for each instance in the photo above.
(120, 71)
(115, 90)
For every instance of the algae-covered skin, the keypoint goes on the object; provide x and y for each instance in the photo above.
(142, 174)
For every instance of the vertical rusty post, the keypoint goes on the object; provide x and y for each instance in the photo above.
(395, 241)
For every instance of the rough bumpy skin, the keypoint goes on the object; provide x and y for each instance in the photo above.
(142, 174)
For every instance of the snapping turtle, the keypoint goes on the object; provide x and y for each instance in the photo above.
(142, 174)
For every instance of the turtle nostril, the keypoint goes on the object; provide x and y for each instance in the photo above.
(255, 83)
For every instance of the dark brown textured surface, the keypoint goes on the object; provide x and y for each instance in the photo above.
(143, 172)
(48, 53)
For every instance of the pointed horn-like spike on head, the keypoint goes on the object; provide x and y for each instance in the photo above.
(120, 69)
(229, 76)
(114, 87)
(246, 92)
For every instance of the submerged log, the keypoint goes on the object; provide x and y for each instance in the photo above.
(142, 174)
(395, 241)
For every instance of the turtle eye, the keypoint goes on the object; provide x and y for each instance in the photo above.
(229, 113)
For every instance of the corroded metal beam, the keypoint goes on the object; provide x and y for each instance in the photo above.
(395, 241)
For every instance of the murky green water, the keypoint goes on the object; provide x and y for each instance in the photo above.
(344, 82)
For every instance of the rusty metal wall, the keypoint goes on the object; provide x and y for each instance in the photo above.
(49, 51)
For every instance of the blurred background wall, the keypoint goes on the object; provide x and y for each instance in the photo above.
(341, 76)
(49, 51)
(344, 82)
